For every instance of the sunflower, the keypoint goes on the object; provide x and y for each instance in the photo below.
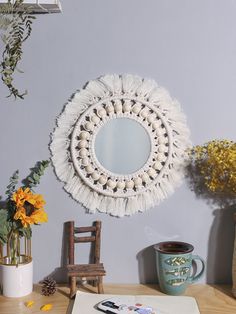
(37, 201)
(29, 207)
(30, 215)
(21, 196)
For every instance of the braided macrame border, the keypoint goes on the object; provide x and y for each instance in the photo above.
(72, 144)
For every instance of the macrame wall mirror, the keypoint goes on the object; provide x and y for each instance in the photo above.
(120, 145)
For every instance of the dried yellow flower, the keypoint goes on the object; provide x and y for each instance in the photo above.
(216, 162)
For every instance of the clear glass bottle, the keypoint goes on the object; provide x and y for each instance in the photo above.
(13, 247)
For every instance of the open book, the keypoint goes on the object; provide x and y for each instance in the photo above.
(87, 303)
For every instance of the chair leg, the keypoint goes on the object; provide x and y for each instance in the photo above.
(72, 287)
(100, 285)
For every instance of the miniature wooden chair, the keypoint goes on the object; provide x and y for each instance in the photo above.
(93, 271)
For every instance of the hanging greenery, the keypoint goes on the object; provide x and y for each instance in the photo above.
(16, 27)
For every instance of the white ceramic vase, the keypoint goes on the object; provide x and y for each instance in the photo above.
(16, 280)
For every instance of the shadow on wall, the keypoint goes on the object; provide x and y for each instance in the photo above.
(220, 246)
(60, 273)
(147, 265)
(221, 238)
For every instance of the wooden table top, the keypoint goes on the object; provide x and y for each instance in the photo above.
(211, 299)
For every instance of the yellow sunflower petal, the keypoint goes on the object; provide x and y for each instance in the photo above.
(39, 215)
(39, 201)
(21, 196)
(29, 303)
(31, 200)
(46, 307)
(19, 213)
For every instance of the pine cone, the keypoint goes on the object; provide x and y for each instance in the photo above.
(49, 286)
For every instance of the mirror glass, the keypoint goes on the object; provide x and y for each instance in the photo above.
(122, 146)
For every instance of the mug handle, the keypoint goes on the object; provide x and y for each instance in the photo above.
(195, 278)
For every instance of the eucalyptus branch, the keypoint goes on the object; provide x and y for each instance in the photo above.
(34, 177)
(16, 27)
(12, 184)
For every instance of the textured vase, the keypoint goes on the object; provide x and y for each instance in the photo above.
(234, 263)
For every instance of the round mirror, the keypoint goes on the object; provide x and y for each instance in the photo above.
(122, 146)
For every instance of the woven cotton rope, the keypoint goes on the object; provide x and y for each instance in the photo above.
(73, 144)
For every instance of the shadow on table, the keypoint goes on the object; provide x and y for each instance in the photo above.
(71, 301)
(70, 307)
(225, 289)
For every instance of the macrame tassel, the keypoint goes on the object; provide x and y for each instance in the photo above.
(113, 84)
(123, 95)
(146, 88)
(130, 84)
(97, 89)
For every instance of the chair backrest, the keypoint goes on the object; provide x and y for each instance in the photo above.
(74, 237)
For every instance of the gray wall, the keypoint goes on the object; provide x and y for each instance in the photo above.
(187, 46)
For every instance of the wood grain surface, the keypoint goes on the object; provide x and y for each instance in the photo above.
(211, 299)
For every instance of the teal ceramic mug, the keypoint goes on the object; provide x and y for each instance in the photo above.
(174, 262)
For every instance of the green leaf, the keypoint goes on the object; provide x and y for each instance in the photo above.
(34, 177)
(12, 184)
(4, 225)
(15, 24)
(3, 217)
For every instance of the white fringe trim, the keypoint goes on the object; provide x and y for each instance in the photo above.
(144, 90)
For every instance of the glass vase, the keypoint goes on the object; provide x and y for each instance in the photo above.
(13, 247)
